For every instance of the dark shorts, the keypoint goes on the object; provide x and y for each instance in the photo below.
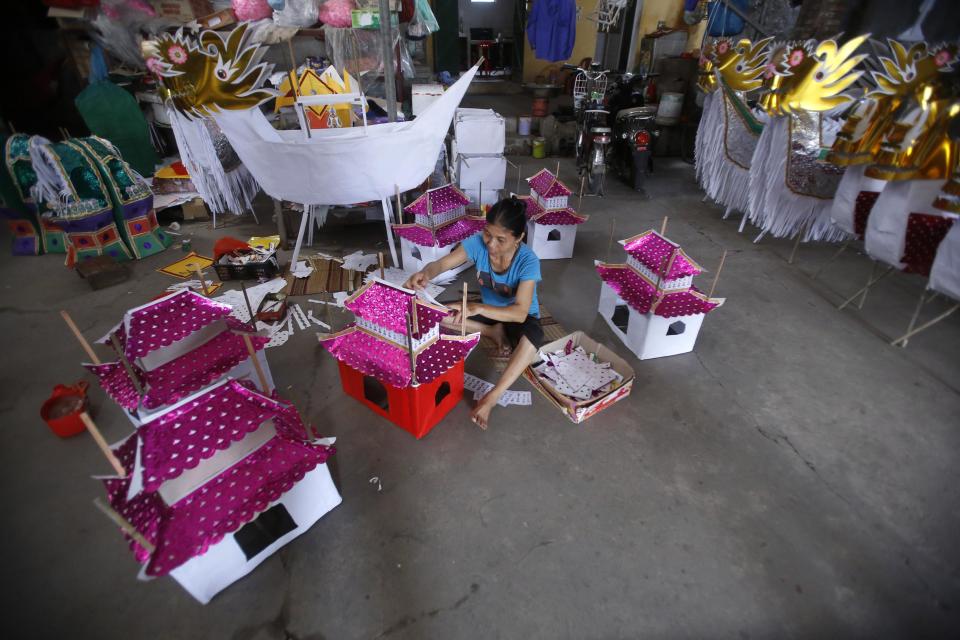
(529, 328)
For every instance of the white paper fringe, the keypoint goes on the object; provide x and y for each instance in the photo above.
(223, 191)
(775, 208)
(51, 184)
(709, 143)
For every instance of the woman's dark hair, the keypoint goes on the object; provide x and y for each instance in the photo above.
(511, 214)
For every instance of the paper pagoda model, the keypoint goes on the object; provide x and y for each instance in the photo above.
(394, 359)
(650, 302)
(440, 222)
(215, 484)
(551, 223)
(173, 347)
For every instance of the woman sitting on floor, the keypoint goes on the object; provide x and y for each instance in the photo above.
(508, 272)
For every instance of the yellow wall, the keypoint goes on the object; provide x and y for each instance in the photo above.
(669, 11)
(584, 46)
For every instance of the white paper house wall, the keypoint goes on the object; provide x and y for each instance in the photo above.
(415, 257)
(646, 334)
(479, 131)
(474, 171)
(241, 552)
(551, 241)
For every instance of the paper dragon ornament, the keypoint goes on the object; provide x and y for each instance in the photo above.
(395, 360)
(650, 302)
(551, 222)
(791, 189)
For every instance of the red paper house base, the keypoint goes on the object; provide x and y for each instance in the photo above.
(413, 409)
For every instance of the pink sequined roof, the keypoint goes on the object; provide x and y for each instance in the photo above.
(533, 207)
(560, 217)
(547, 185)
(442, 199)
(391, 364)
(643, 297)
(453, 232)
(387, 306)
(167, 320)
(650, 249)
(221, 506)
(182, 438)
(180, 377)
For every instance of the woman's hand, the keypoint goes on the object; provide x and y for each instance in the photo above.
(457, 316)
(419, 280)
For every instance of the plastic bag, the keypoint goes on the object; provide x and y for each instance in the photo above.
(297, 13)
(359, 52)
(423, 22)
(721, 21)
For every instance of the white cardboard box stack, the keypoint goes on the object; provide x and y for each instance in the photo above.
(477, 154)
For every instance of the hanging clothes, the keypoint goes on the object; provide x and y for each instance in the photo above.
(552, 29)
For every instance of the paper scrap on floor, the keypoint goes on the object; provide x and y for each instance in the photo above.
(481, 388)
(196, 286)
(302, 269)
(359, 261)
(575, 373)
(257, 293)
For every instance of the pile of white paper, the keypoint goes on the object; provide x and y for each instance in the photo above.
(576, 374)
(399, 276)
(359, 261)
(481, 388)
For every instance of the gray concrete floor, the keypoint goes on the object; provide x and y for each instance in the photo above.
(794, 477)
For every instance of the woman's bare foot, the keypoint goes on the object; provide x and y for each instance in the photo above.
(481, 412)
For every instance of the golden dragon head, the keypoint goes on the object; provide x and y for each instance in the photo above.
(918, 146)
(739, 64)
(814, 76)
(211, 73)
(910, 69)
(706, 78)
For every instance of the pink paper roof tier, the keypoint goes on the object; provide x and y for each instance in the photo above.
(183, 437)
(442, 199)
(644, 297)
(165, 321)
(450, 233)
(219, 507)
(387, 305)
(389, 363)
(650, 248)
(180, 377)
(538, 214)
(547, 185)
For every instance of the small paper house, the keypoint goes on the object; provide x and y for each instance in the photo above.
(412, 378)
(217, 483)
(176, 346)
(551, 223)
(650, 302)
(551, 233)
(548, 191)
(440, 222)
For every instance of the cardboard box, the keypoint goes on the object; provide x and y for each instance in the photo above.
(218, 20)
(196, 209)
(182, 10)
(579, 410)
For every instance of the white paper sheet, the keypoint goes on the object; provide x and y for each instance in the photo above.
(359, 261)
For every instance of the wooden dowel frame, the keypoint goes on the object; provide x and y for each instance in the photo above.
(102, 444)
(79, 336)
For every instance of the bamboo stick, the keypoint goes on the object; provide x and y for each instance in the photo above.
(124, 525)
(83, 342)
(246, 298)
(126, 365)
(663, 226)
(463, 312)
(716, 276)
(380, 258)
(583, 179)
(663, 265)
(256, 363)
(413, 357)
(518, 179)
(613, 225)
(203, 282)
(104, 447)
(399, 209)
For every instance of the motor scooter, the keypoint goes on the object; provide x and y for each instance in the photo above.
(593, 129)
(634, 131)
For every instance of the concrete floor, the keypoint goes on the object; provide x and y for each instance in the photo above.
(794, 477)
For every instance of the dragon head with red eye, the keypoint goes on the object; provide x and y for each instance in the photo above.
(211, 72)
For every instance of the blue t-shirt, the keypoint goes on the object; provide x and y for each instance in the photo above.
(525, 266)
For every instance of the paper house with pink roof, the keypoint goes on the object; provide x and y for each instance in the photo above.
(548, 191)
(650, 302)
(551, 233)
(175, 346)
(440, 222)
(216, 483)
(394, 358)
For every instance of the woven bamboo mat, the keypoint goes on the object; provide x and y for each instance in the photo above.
(327, 276)
(552, 330)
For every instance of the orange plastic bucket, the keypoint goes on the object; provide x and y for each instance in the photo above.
(62, 409)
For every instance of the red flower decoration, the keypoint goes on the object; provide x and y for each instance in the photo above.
(722, 47)
(796, 57)
(177, 54)
(942, 58)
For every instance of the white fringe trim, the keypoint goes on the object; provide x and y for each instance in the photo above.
(224, 192)
(708, 148)
(52, 185)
